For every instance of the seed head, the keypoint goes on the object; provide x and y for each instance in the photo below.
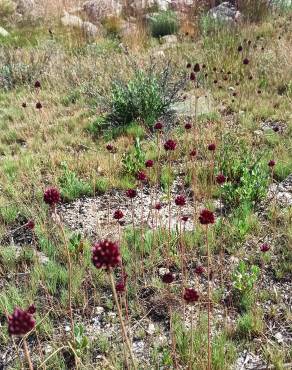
(180, 200)
(52, 196)
(149, 163)
(170, 145)
(21, 322)
(118, 214)
(220, 179)
(106, 254)
(131, 193)
(206, 217)
(191, 295)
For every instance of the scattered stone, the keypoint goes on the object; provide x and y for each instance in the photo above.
(282, 192)
(275, 125)
(225, 12)
(169, 39)
(192, 106)
(3, 32)
(69, 20)
(279, 338)
(151, 329)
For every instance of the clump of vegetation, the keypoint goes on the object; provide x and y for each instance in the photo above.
(163, 23)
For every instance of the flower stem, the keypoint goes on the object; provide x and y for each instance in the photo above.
(27, 354)
(209, 301)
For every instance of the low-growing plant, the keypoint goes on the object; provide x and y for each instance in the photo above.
(134, 161)
(250, 324)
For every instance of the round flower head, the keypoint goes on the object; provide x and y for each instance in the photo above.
(259, 92)
(158, 126)
(215, 82)
(185, 218)
(206, 217)
(188, 126)
(189, 65)
(149, 163)
(265, 248)
(131, 193)
(21, 322)
(106, 254)
(38, 105)
(52, 196)
(204, 66)
(214, 69)
(193, 153)
(120, 287)
(180, 200)
(271, 163)
(109, 147)
(167, 278)
(170, 145)
(158, 206)
(37, 84)
(141, 176)
(212, 147)
(245, 61)
(191, 295)
(276, 129)
(192, 76)
(220, 179)
(197, 67)
(30, 224)
(199, 270)
(24, 105)
(118, 214)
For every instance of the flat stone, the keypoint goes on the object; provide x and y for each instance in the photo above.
(193, 107)
(3, 32)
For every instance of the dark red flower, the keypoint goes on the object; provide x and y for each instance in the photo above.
(167, 278)
(193, 153)
(118, 214)
(109, 147)
(212, 147)
(276, 129)
(158, 126)
(191, 295)
(204, 66)
(24, 105)
(259, 92)
(220, 179)
(234, 94)
(158, 206)
(180, 200)
(192, 76)
(38, 105)
(30, 224)
(197, 67)
(31, 309)
(131, 193)
(206, 217)
(215, 81)
(52, 196)
(37, 84)
(185, 218)
(170, 145)
(199, 270)
(245, 61)
(189, 65)
(188, 126)
(149, 163)
(20, 322)
(141, 176)
(271, 163)
(265, 248)
(106, 254)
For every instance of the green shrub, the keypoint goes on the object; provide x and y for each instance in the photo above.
(146, 97)
(163, 23)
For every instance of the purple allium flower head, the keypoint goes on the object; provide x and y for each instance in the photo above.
(52, 196)
(189, 65)
(180, 200)
(170, 145)
(197, 67)
(141, 176)
(37, 84)
(30, 224)
(185, 218)
(158, 126)
(220, 179)
(149, 163)
(215, 82)
(158, 206)
(131, 193)
(192, 76)
(20, 322)
(106, 254)
(199, 270)
(193, 153)
(191, 295)
(259, 92)
(109, 147)
(167, 278)
(271, 163)
(188, 126)
(38, 105)
(212, 147)
(206, 217)
(245, 61)
(24, 105)
(118, 214)
(265, 248)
